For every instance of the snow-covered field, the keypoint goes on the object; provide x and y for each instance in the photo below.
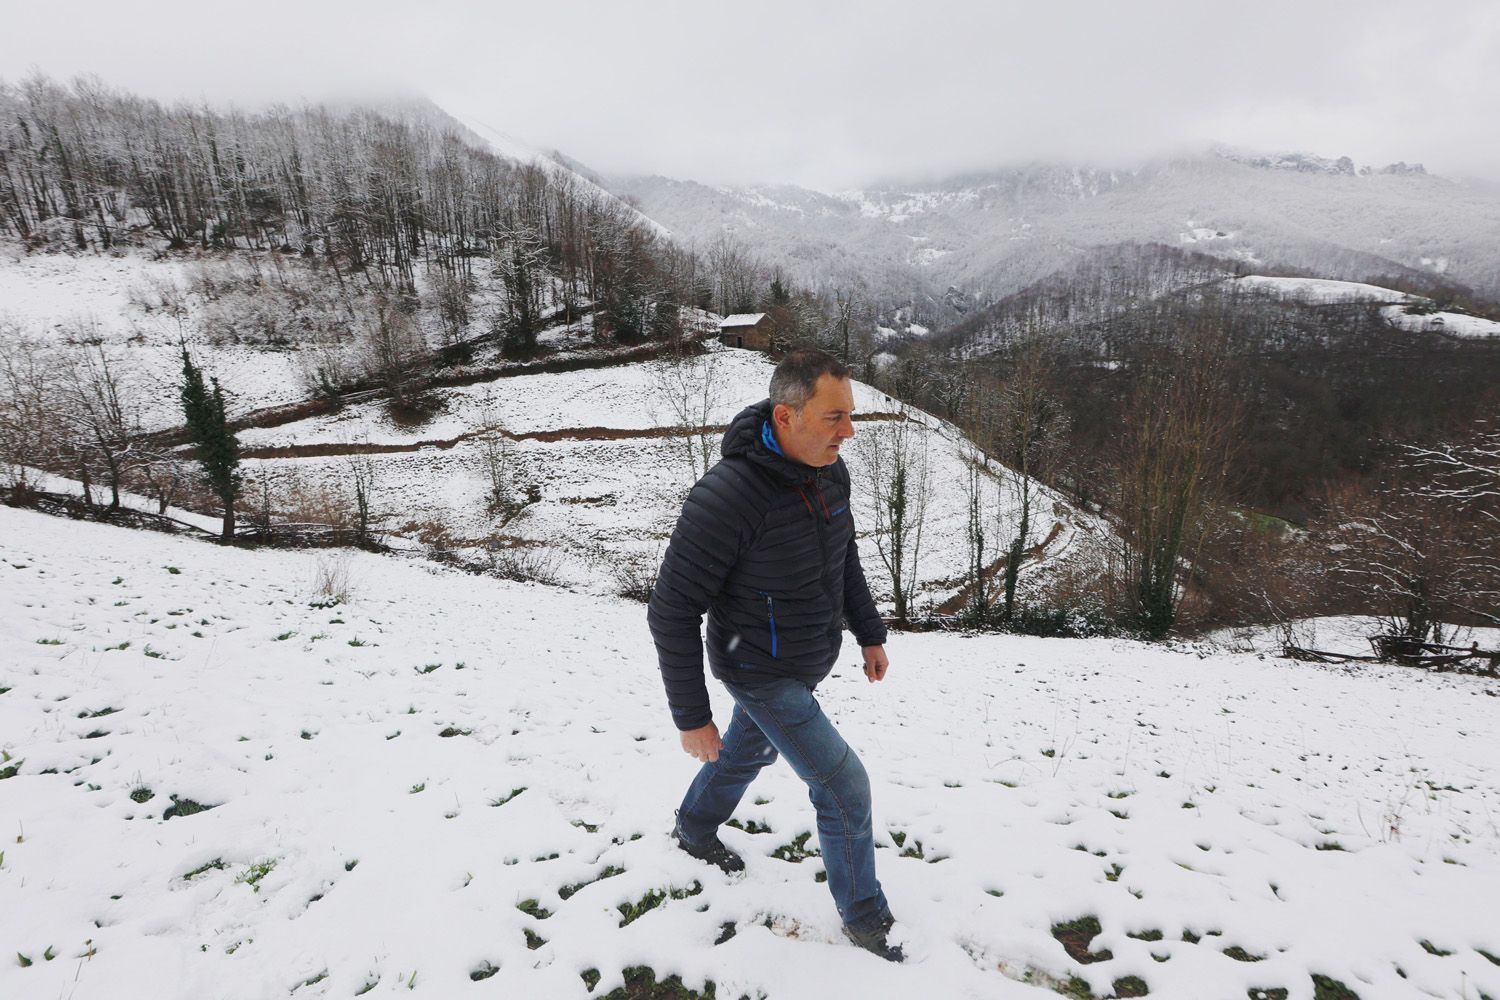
(61, 299)
(1449, 323)
(138, 308)
(1321, 290)
(610, 486)
(1344, 634)
(448, 778)
(623, 397)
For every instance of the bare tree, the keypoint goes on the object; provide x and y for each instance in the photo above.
(1173, 462)
(1465, 473)
(31, 436)
(495, 453)
(896, 468)
(1397, 553)
(843, 320)
(520, 258)
(1030, 433)
(978, 504)
(327, 364)
(1423, 549)
(687, 389)
(508, 494)
(736, 275)
(361, 467)
(451, 294)
(101, 414)
(163, 476)
(392, 344)
(1462, 479)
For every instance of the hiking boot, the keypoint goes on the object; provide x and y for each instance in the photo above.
(714, 852)
(874, 940)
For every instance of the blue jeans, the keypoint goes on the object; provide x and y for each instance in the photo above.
(783, 718)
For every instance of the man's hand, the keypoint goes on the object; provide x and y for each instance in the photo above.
(876, 663)
(703, 742)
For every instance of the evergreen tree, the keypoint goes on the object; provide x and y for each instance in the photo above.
(779, 294)
(218, 450)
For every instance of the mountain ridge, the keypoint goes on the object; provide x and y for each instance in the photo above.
(990, 234)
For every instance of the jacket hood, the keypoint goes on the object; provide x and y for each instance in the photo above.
(745, 439)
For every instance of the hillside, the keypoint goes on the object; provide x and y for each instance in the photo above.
(609, 480)
(445, 778)
(991, 234)
(593, 444)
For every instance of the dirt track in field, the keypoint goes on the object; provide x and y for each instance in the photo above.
(442, 444)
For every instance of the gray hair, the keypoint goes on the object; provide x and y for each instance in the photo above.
(796, 378)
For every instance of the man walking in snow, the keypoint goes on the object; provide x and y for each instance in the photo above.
(765, 546)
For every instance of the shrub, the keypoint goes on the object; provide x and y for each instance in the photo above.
(634, 574)
(331, 580)
(523, 563)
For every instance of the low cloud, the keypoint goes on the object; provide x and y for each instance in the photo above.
(837, 94)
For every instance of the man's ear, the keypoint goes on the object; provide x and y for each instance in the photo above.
(781, 416)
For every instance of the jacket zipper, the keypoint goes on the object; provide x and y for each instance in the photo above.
(771, 619)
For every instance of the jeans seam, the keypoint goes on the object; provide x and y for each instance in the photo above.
(827, 783)
(843, 814)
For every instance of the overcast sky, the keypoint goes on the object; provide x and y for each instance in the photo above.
(834, 95)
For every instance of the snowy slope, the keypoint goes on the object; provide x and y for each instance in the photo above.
(1449, 323)
(592, 442)
(1321, 291)
(611, 483)
(512, 148)
(363, 762)
(117, 302)
(55, 297)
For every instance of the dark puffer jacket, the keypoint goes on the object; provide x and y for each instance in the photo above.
(765, 546)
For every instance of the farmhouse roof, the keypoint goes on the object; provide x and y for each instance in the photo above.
(741, 319)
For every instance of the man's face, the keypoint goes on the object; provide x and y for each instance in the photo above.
(814, 435)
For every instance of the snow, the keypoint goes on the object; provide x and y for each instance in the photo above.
(1348, 634)
(759, 199)
(46, 482)
(1332, 820)
(741, 319)
(51, 297)
(503, 143)
(590, 441)
(1201, 234)
(1321, 291)
(509, 147)
(897, 207)
(927, 256)
(619, 397)
(55, 289)
(610, 483)
(1450, 323)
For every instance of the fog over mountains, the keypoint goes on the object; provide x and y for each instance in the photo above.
(978, 237)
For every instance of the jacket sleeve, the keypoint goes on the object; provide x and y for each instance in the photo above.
(711, 532)
(859, 608)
